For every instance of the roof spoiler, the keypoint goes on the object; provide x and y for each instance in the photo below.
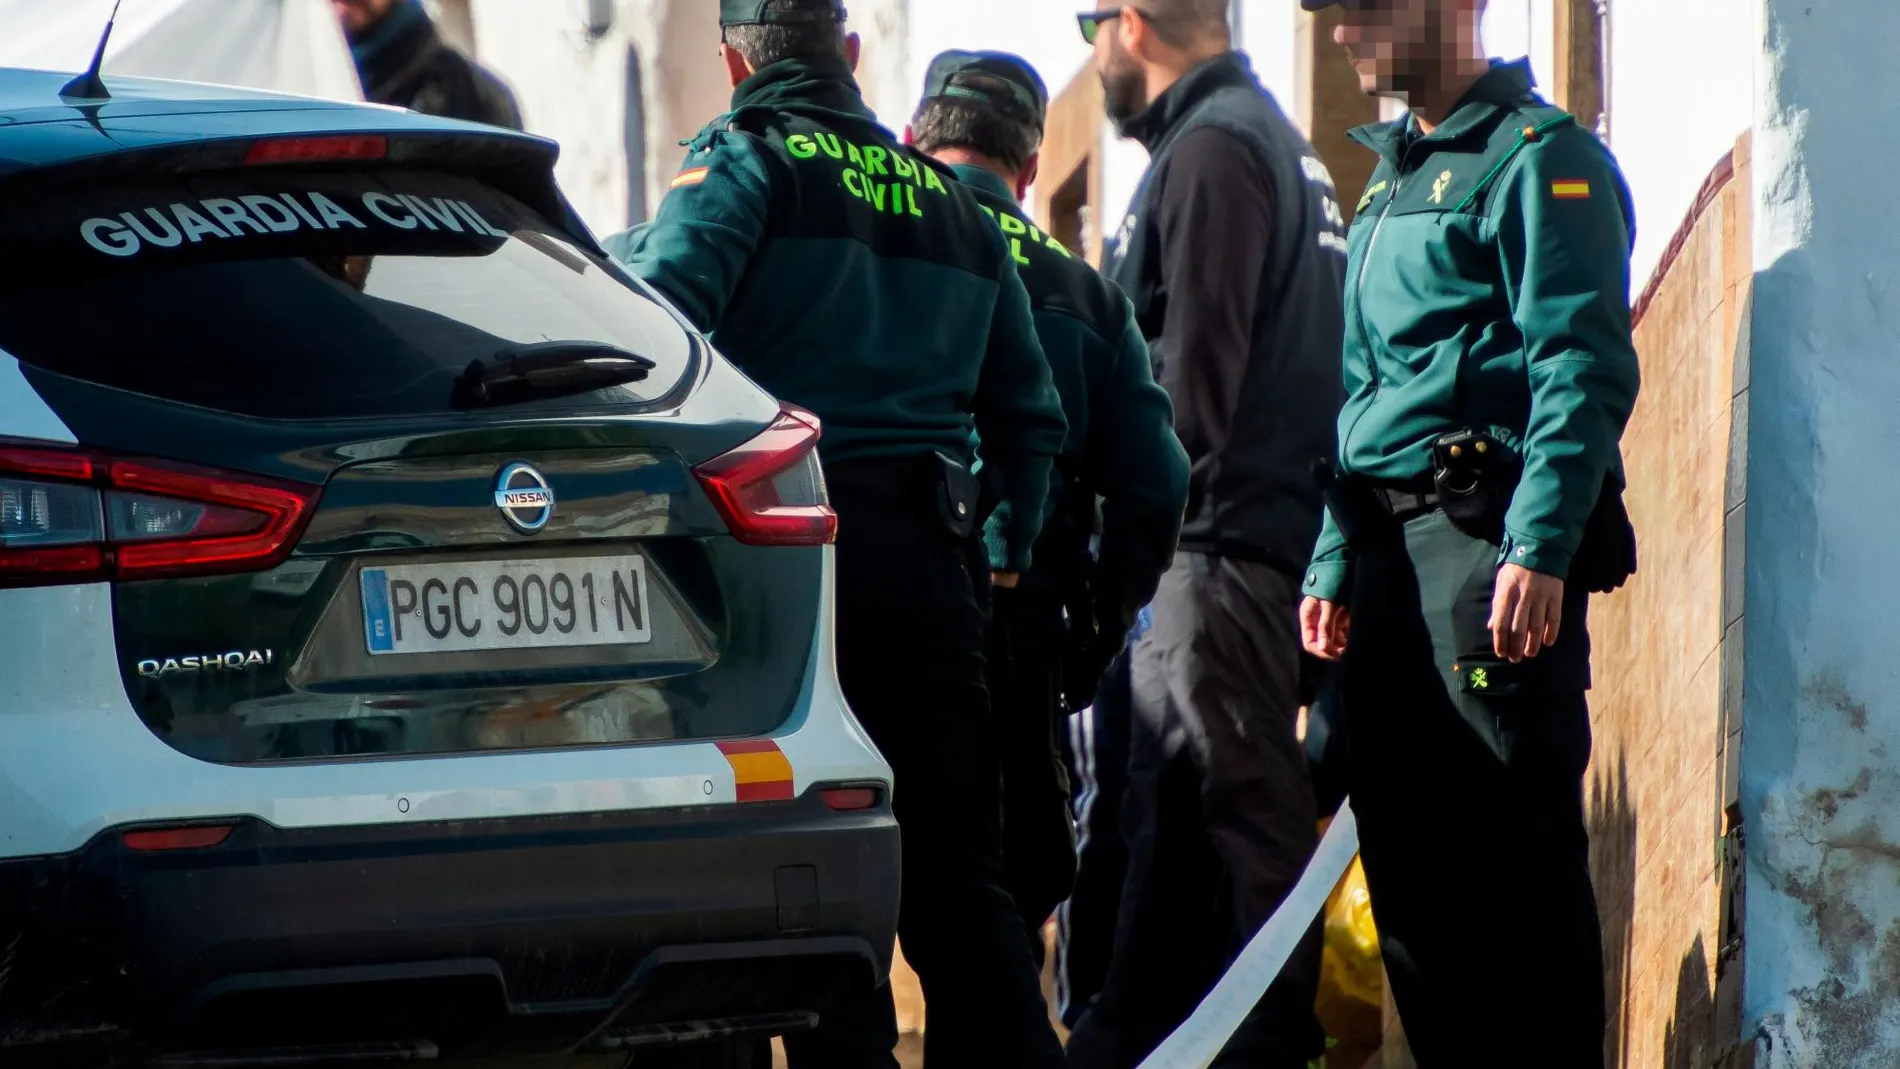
(519, 165)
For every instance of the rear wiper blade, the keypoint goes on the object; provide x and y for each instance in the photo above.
(546, 370)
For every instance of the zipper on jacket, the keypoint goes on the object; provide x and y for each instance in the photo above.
(1359, 304)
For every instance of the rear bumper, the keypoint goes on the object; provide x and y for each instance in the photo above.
(524, 933)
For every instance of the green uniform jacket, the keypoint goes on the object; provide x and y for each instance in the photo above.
(1487, 286)
(851, 276)
(1121, 443)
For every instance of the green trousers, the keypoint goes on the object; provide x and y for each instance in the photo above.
(1467, 779)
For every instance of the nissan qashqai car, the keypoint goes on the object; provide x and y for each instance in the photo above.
(414, 639)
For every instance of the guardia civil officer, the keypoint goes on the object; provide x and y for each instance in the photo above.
(1232, 253)
(1052, 634)
(1477, 505)
(857, 278)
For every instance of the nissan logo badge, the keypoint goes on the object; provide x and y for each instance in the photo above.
(524, 498)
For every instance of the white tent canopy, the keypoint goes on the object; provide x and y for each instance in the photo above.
(290, 46)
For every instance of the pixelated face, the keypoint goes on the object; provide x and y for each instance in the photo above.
(359, 15)
(1124, 83)
(1397, 46)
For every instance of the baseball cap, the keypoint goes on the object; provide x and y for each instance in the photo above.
(754, 12)
(996, 80)
(1318, 5)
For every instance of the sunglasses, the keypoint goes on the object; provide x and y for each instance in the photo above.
(1091, 21)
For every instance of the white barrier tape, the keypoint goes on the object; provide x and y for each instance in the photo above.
(1200, 1038)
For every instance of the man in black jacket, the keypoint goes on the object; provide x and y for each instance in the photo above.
(1233, 253)
(402, 60)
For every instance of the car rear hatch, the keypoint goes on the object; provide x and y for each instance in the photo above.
(380, 460)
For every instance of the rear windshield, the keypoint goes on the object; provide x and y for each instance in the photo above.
(310, 295)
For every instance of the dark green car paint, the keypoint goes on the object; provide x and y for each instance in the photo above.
(409, 491)
(1481, 295)
(419, 488)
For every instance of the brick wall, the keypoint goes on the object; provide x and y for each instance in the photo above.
(1656, 790)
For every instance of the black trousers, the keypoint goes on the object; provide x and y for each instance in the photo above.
(910, 635)
(1219, 819)
(1025, 674)
(1095, 749)
(1467, 780)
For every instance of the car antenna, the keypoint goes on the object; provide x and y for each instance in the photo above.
(89, 85)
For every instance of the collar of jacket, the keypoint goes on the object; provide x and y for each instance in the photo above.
(1153, 125)
(984, 179)
(821, 90)
(1499, 89)
(403, 25)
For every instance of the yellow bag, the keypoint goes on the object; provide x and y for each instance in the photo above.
(1351, 1003)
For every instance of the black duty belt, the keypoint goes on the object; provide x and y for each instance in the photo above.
(1406, 504)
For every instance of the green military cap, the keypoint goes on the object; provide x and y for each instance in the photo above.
(995, 79)
(753, 12)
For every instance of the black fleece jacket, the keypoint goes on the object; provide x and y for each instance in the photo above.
(1234, 255)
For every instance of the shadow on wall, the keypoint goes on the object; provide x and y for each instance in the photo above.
(1613, 871)
(1688, 1039)
(634, 137)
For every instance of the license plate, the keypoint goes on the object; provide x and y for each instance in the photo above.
(506, 605)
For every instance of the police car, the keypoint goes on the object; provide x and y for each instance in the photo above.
(414, 640)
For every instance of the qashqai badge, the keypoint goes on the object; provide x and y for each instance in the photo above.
(524, 498)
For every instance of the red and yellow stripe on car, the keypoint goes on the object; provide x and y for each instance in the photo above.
(760, 770)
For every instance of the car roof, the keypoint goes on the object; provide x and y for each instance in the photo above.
(39, 128)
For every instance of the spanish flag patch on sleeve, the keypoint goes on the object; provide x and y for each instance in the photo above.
(691, 177)
(1570, 189)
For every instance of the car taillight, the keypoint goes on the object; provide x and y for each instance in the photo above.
(771, 490)
(848, 799)
(69, 516)
(317, 149)
(188, 837)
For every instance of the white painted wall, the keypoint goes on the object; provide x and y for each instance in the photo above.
(1821, 700)
(1266, 34)
(1516, 28)
(290, 46)
(571, 89)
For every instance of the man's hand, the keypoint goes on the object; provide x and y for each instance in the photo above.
(1525, 612)
(1323, 628)
(1006, 580)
